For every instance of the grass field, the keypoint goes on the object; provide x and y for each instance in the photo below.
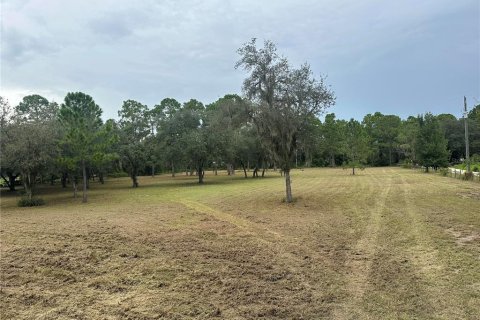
(386, 244)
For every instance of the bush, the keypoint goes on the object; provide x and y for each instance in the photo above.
(120, 174)
(407, 164)
(444, 172)
(34, 202)
(467, 176)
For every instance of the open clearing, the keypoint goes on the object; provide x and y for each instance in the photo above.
(386, 244)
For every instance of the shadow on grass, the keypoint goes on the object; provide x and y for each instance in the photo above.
(56, 195)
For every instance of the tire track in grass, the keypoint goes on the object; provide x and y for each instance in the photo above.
(284, 245)
(360, 267)
(286, 248)
(430, 268)
(239, 222)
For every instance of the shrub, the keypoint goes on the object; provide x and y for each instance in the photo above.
(444, 172)
(407, 164)
(120, 174)
(467, 176)
(34, 202)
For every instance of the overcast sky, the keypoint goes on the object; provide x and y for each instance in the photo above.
(396, 57)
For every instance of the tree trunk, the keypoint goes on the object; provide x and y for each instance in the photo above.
(296, 158)
(153, 171)
(288, 186)
(52, 180)
(64, 180)
(10, 181)
(332, 160)
(88, 177)
(27, 184)
(11, 184)
(84, 169)
(244, 170)
(390, 155)
(134, 180)
(201, 173)
(173, 170)
(255, 172)
(101, 178)
(75, 183)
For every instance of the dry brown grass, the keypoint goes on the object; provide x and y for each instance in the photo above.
(386, 244)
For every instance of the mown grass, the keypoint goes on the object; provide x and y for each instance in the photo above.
(385, 244)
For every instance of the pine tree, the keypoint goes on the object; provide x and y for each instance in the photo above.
(432, 145)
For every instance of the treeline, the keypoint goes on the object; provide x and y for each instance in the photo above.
(428, 140)
(42, 140)
(275, 124)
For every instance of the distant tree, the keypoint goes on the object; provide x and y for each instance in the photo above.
(134, 128)
(103, 162)
(474, 114)
(29, 144)
(332, 137)
(356, 145)
(308, 142)
(170, 106)
(284, 98)
(172, 139)
(5, 111)
(453, 130)
(383, 132)
(432, 145)
(165, 146)
(35, 108)
(7, 169)
(388, 128)
(474, 130)
(194, 105)
(228, 120)
(80, 118)
(407, 139)
(197, 150)
(33, 149)
(193, 137)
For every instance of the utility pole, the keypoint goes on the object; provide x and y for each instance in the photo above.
(467, 147)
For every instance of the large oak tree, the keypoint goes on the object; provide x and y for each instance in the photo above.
(284, 97)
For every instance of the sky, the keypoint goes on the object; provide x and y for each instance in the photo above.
(396, 57)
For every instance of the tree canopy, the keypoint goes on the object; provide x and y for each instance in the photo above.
(283, 98)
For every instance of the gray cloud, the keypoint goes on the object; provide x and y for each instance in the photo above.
(401, 57)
